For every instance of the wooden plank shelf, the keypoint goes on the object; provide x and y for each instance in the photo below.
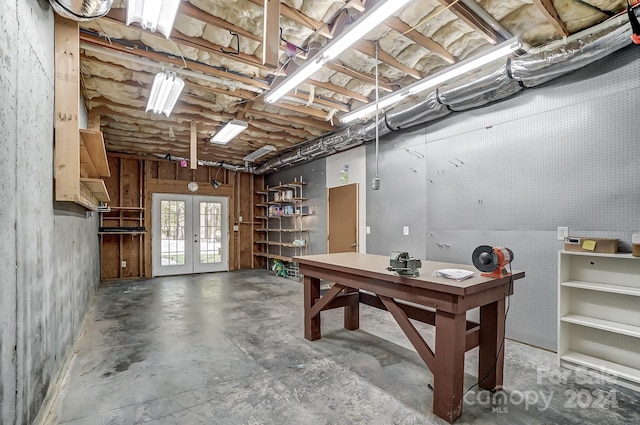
(603, 287)
(97, 188)
(273, 256)
(605, 325)
(93, 155)
(282, 230)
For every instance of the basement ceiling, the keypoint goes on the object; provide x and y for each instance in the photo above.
(119, 62)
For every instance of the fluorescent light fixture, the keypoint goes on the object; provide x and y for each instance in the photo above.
(165, 91)
(229, 131)
(372, 18)
(153, 14)
(456, 70)
(259, 153)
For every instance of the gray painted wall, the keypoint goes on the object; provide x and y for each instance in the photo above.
(50, 251)
(565, 154)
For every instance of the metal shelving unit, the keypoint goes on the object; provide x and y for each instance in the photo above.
(284, 235)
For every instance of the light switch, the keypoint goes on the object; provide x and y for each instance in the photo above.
(405, 230)
(368, 230)
(563, 232)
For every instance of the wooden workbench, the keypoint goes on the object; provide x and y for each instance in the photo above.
(446, 303)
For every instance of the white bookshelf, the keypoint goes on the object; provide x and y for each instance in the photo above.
(599, 314)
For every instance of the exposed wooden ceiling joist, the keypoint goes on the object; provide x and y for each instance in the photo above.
(368, 48)
(335, 88)
(418, 38)
(370, 79)
(172, 59)
(549, 11)
(463, 12)
(299, 17)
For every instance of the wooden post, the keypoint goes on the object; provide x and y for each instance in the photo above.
(67, 97)
(490, 362)
(194, 146)
(271, 34)
(311, 295)
(448, 375)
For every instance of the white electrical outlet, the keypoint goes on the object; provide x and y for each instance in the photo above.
(123, 264)
(368, 230)
(405, 230)
(563, 232)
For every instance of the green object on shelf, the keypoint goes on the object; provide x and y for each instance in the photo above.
(279, 269)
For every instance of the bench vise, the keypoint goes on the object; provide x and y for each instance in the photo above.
(403, 265)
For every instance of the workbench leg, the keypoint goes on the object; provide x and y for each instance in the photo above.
(491, 363)
(352, 312)
(448, 375)
(311, 296)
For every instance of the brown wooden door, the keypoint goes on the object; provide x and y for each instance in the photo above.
(343, 218)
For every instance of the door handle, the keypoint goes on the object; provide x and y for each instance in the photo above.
(354, 244)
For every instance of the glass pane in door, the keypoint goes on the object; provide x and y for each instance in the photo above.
(172, 219)
(210, 232)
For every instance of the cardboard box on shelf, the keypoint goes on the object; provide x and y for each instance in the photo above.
(587, 244)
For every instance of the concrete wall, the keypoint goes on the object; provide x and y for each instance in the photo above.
(50, 253)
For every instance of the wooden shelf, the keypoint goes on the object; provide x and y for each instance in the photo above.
(598, 364)
(599, 313)
(282, 230)
(93, 155)
(272, 256)
(285, 244)
(128, 208)
(603, 287)
(605, 325)
(122, 233)
(97, 188)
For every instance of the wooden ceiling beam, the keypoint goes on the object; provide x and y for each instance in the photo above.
(178, 62)
(463, 12)
(418, 38)
(369, 79)
(118, 17)
(337, 89)
(302, 19)
(271, 34)
(153, 127)
(194, 12)
(297, 120)
(368, 48)
(239, 93)
(551, 14)
(106, 109)
(329, 103)
(302, 109)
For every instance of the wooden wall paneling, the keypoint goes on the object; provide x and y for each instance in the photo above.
(245, 228)
(130, 197)
(110, 257)
(202, 175)
(166, 170)
(183, 173)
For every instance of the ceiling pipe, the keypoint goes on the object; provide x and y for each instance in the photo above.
(84, 10)
(479, 89)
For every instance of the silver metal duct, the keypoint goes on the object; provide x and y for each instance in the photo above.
(479, 89)
(574, 53)
(81, 10)
(230, 167)
(424, 109)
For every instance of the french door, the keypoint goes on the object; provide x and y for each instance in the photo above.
(190, 234)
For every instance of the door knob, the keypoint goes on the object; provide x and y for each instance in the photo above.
(354, 244)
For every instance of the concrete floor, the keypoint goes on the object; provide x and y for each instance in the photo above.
(228, 348)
